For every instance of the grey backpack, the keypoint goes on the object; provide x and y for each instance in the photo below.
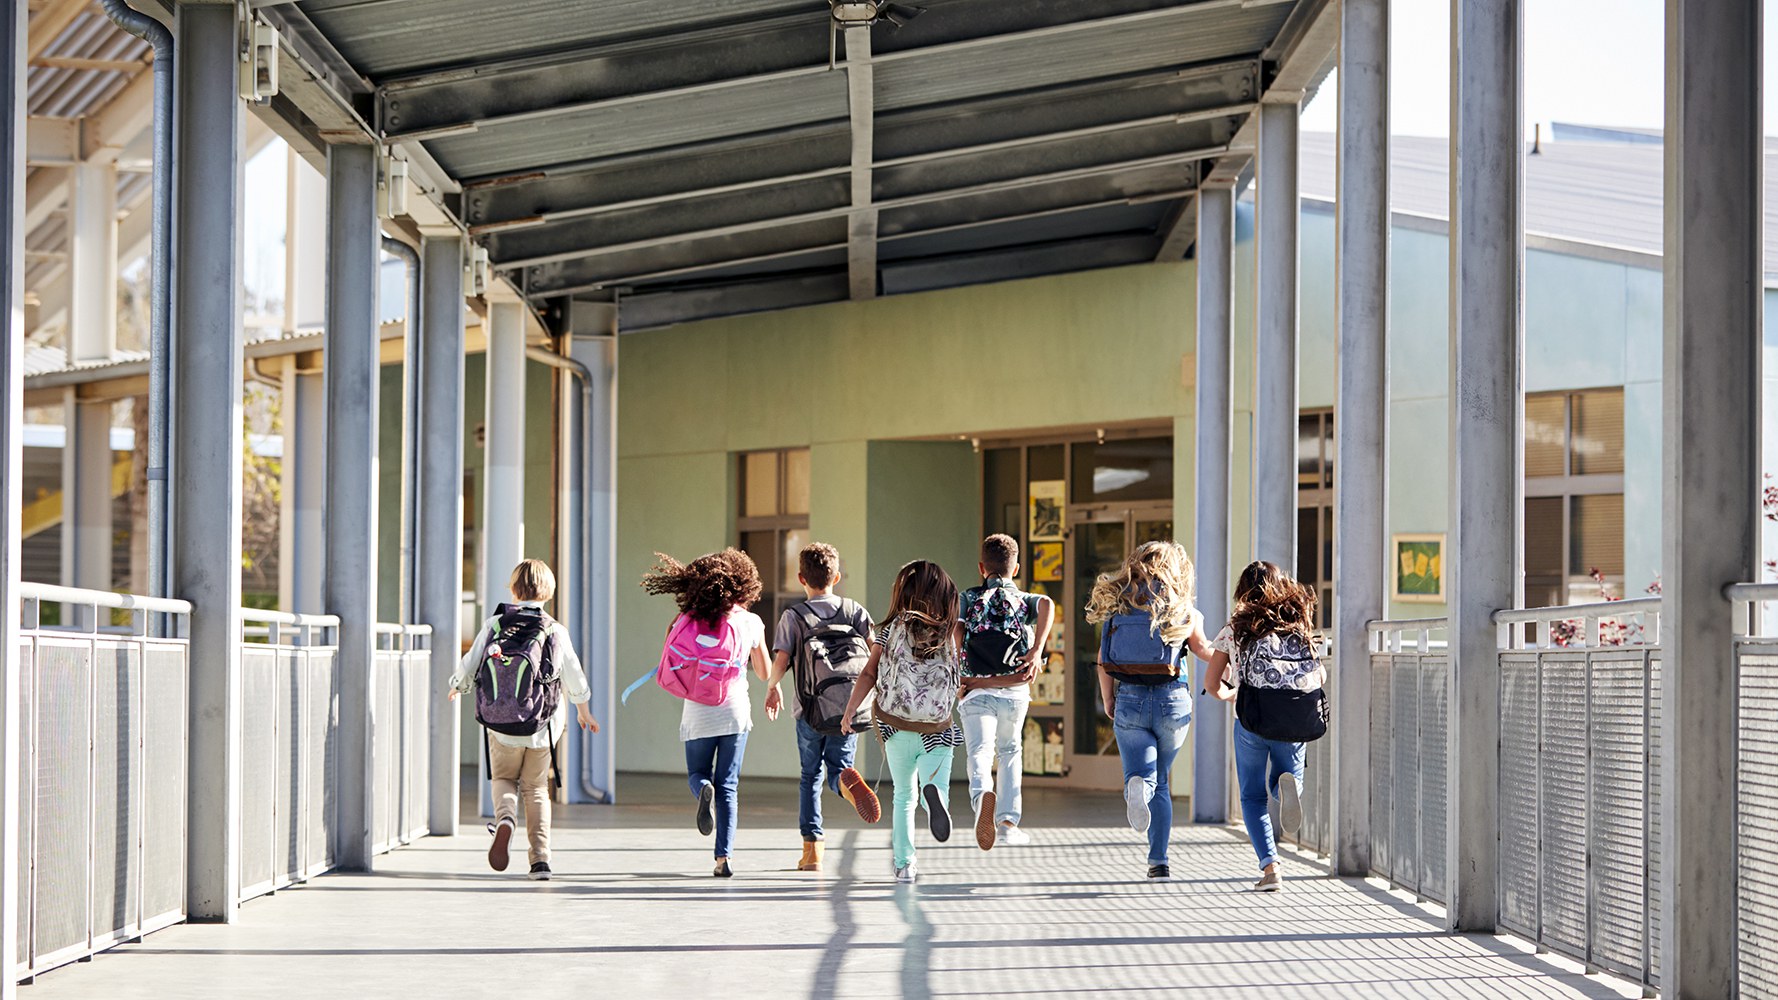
(828, 661)
(518, 685)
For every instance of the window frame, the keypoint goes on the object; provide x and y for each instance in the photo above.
(1566, 487)
(772, 599)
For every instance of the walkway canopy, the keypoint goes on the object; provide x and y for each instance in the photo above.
(703, 159)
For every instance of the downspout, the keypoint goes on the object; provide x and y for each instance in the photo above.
(410, 429)
(160, 335)
(585, 594)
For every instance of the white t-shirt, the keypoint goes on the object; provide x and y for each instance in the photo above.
(735, 714)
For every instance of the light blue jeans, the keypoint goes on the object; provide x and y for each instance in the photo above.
(1259, 763)
(1151, 723)
(992, 727)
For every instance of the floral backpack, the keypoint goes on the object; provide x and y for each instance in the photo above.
(914, 693)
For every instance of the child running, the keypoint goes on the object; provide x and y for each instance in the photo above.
(824, 642)
(1147, 613)
(1277, 685)
(914, 674)
(706, 645)
(1004, 634)
(518, 665)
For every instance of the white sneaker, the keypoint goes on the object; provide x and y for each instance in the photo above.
(1136, 803)
(1290, 807)
(1012, 836)
(906, 873)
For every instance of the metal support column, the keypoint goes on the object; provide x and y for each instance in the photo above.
(206, 478)
(1487, 402)
(14, 59)
(92, 338)
(440, 527)
(1711, 448)
(1276, 208)
(594, 344)
(503, 477)
(86, 493)
(1361, 410)
(351, 374)
(304, 486)
(1215, 450)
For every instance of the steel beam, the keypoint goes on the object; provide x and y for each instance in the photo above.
(1277, 215)
(349, 518)
(503, 468)
(86, 493)
(304, 487)
(594, 343)
(861, 227)
(92, 263)
(1215, 225)
(441, 507)
(1487, 394)
(14, 60)
(1711, 450)
(206, 466)
(1361, 411)
(649, 310)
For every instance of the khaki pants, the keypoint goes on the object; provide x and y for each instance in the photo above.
(512, 769)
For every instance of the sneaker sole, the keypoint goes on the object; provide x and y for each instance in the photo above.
(938, 818)
(1136, 804)
(706, 821)
(498, 856)
(539, 876)
(1274, 887)
(862, 798)
(1290, 807)
(986, 832)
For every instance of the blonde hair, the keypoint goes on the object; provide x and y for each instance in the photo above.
(533, 581)
(1157, 578)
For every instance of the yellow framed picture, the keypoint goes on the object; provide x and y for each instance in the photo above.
(1046, 562)
(1417, 573)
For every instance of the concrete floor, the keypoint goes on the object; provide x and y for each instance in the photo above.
(634, 912)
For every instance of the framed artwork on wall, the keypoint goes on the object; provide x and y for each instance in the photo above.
(1047, 499)
(1417, 573)
(1046, 562)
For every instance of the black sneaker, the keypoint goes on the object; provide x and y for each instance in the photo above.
(706, 819)
(540, 872)
(1159, 873)
(722, 870)
(938, 817)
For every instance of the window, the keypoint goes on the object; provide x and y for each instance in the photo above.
(773, 523)
(1314, 507)
(1574, 497)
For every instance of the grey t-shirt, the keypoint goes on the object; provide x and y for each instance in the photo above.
(791, 632)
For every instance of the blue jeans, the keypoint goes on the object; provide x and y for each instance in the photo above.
(717, 759)
(1259, 763)
(1151, 723)
(994, 727)
(835, 754)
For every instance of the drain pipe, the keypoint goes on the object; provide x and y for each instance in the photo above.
(160, 335)
(585, 596)
(410, 429)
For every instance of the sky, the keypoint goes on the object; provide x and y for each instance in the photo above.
(1597, 62)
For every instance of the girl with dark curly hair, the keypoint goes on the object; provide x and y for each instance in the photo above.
(1269, 642)
(710, 590)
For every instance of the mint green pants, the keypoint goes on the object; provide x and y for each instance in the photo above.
(912, 767)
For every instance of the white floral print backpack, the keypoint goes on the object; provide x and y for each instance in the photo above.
(914, 693)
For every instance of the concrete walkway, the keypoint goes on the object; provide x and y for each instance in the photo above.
(635, 913)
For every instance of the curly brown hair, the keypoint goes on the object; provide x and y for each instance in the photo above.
(708, 587)
(819, 565)
(1270, 601)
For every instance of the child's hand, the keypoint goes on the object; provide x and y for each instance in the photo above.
(587, 722)
(846, 724)
(451, 695)
(1033, 663)
(774, 703)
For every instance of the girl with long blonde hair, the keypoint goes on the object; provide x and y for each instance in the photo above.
(1145, 611)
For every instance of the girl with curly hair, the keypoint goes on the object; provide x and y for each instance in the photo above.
(1145, 608)
(1268, 643)
(709, 590)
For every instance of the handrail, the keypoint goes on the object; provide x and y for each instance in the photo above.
(102, 599)
(287, 618)
(1406, 624)
(1751, 592)
(416, 628)
(1570, 612)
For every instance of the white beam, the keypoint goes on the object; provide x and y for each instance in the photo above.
(14, 40)
(92, 259)
(861, 228)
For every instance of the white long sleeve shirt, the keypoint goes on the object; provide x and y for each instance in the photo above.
(574, 683)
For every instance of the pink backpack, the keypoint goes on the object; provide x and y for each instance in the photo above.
(698, 663)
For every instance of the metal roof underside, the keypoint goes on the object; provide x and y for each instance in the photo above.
(701, 159)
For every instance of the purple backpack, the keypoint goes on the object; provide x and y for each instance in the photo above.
(518, 685)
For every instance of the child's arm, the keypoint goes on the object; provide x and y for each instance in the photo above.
(761, 667)
(1046, 620)
(775, 697)
(1197, 643)
(574, 683)
(1215, 674)
(861, 688)
(463, 681)
(1108, 691)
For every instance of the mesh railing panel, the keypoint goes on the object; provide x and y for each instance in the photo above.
(320, 759)
(63, 797)
(1618, 812)
(386, 748)
(259, 749)
(27, 796)
(287, 803)
(1434, 672)
(1382, 784)
(417, 716)
(164, 768)
(1654, 819)
(1758, 826)
(1518, 794)
(1562, 815)
(1404, 725)
(116, 791)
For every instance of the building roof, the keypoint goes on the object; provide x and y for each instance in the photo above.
(1588, 185)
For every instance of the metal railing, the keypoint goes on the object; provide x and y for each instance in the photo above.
(1410, 678)
(401, 717)
(103, 767)
(1579, 782)
(1756, 669)
(290, 682)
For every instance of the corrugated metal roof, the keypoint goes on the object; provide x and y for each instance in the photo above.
(1605, 193)
(63, 92)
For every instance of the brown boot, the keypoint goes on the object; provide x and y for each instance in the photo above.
(854, 789)
(811, 860)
